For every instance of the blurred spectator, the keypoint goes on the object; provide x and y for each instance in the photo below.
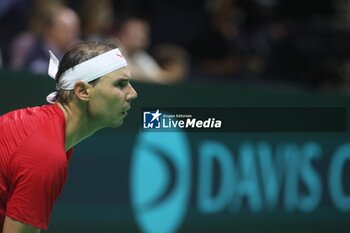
(21, 44)
(58, 28)
(245, 40)
(134, 34)
(19, 49)
(14, 16)
(97, 19)
(174, 59)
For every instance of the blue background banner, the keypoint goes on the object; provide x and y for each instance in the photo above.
(128, 180)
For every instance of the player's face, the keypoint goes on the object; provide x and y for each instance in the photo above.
(111, 97)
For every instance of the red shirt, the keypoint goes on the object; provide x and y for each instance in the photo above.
(33, 163)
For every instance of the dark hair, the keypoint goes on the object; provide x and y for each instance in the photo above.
(77, 54)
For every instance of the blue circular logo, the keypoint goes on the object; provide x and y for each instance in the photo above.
(160, 180)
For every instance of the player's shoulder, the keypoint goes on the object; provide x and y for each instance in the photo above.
(31, 127)
(30, 116)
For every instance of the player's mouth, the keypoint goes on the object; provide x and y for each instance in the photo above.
(125, 112)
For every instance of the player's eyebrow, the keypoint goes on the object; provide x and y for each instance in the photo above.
(122, 80)
(125, 78)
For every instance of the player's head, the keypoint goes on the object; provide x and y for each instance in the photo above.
(94, 76)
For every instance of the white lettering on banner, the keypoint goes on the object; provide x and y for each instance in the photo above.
(257, 176)
(191, 123)
(260, 177)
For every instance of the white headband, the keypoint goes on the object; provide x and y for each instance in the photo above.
(86, 71)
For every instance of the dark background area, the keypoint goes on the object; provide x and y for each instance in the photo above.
(253, 41)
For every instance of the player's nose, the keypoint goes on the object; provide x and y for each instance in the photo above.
(132, 94)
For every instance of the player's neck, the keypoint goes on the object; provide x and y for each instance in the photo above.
(78, 125)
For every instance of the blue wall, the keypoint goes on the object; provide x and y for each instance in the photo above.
(216, 182)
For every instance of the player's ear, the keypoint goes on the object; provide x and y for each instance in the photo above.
(81, 90)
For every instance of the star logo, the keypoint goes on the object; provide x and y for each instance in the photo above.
(156, 115)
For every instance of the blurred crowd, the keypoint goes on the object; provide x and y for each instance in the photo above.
(168, 41)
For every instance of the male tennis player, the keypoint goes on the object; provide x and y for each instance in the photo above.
(93, 92)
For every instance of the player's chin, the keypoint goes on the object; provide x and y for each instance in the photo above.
(118, 123)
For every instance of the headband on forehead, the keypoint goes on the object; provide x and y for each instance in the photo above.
(86, 71)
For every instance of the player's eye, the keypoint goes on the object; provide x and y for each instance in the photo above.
(121, 83)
